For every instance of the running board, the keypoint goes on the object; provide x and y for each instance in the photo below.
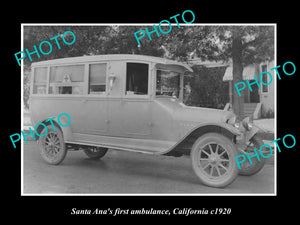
(146, 146)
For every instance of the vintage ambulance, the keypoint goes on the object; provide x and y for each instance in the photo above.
(134, 103)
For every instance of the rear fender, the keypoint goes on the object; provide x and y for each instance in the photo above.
(66, 130)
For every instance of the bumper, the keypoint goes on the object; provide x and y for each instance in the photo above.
(243, 140)
(247, 135)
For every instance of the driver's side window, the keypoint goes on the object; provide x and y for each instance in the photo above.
(137, 79)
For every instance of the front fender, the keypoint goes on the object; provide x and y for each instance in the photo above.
(187, 140)
(225, 126)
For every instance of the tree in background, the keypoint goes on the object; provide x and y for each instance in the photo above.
(245, 45)
(239, 45)
(208, 88)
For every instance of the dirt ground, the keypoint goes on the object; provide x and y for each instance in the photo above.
(127, 173)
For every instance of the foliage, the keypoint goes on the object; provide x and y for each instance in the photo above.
(184, 43)
(208, 89)
(257, 42)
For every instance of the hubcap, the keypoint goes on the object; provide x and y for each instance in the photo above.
(213, 160)
(52, 144)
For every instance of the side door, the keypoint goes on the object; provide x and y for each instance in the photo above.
(94, 105)
(129, 103)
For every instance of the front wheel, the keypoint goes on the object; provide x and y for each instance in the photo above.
(213, 160)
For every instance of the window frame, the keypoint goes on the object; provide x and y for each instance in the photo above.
(84, 84)
(33, 77)
(87, 78)
(150, 69)
(80, 84)
(180, 83)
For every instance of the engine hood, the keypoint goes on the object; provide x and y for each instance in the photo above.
(191, 114)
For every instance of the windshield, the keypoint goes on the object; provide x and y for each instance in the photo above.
(167, 83)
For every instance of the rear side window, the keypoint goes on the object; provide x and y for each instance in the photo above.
(97, 78)
(66, 79)
(40, 80)
(136, 79)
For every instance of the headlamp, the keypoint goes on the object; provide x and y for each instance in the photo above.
(247, 124)
(237, 125)
(232, 120)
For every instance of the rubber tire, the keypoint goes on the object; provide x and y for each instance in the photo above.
(63, 150)
(95, 155)
(256, 165)
(230, 175)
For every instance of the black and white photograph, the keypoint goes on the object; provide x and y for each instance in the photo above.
(167, 114)
(111, 116)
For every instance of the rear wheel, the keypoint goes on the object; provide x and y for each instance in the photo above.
(213, 161)
(52, 146)
(95, 152)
